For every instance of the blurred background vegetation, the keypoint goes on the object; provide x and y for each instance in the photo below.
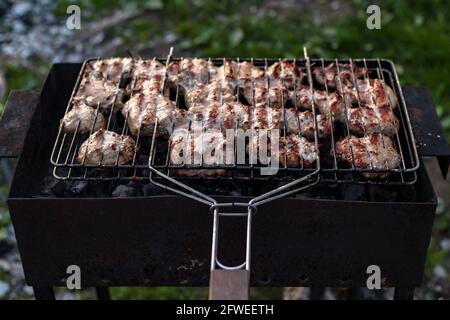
(414, 34)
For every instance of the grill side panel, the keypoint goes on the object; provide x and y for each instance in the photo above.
(165, 241)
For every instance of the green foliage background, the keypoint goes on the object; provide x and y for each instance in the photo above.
(415, 34)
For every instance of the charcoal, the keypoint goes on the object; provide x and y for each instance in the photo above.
(101, 189)
(150, 189)
(78, 187)
(123, 191)
(53, 187)
(353, 192)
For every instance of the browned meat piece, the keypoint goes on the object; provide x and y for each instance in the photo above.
(248, 72)
(286, 72)
(259, 90)
(83, 117)
(213, 115)
(142, 110)
(330, 75)
(106, 147)
(266, 118)
(234, 115)
(275, 95)
(181, 119)
(215, 92)
(375, 152)
(371, 92)
(153, 85)
(293, 150)
(302, 123)
(372, 120)
(195, 149)
(188, 73)
(297, 151)
(113, 69)
(228, 72)
(204, 116)
(99, 93)
(328, 104)
(145, 70)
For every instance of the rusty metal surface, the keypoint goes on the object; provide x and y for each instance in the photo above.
(430, 135)
(166, 241)
(43, 128)
(15, 122)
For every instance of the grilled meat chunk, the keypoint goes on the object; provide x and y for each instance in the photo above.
(106, 147)
(375, 152)
(180, 118)
(228, 70)
(145, 70)
(204, 117)
(258, 90)
(221, 117)
(142, 111)
(248, 72)
(286, 72)
(153, 86)
(198, 148)
(296, 151)
(303, 123)
(262, 90)
(234, 116)
(274, 94)
(215, 92)
(266, 118)
(188, 73)
(82, 117)
(293, 150)
(366, 120)
(99, 93)
(114, 69)
(371, 92)
(327, 104)
(335, 80)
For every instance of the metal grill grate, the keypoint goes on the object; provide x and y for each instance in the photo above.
(152, 153)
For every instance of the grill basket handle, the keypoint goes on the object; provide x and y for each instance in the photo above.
(430, 136)
(229, 284)
(15, 121)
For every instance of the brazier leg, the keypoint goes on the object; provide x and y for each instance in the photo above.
(103, 293)
(404, 294)
(44, 293)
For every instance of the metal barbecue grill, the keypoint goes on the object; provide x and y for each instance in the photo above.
(153, 160)
(154, 152)
(274, 263)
